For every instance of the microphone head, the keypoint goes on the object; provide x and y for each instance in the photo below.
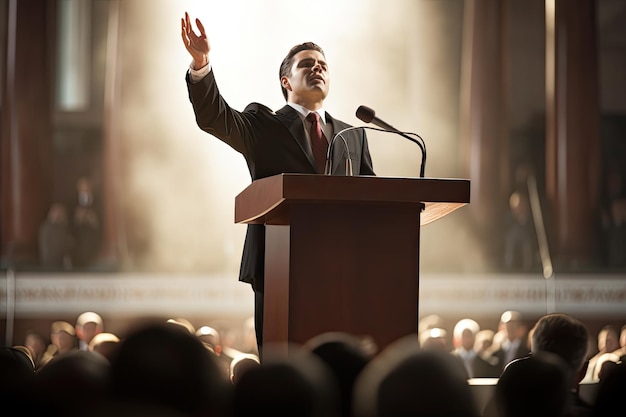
(365, 114)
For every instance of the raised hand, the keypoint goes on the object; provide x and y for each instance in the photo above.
(198, 46)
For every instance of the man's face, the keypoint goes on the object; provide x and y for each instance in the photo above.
(309, 79)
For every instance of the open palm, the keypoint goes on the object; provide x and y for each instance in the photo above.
(197, 45)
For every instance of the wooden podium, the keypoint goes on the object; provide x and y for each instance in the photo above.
(342, 253)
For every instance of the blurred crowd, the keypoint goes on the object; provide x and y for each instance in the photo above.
(173, 368)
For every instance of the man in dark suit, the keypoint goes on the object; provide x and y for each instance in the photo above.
(271, 142)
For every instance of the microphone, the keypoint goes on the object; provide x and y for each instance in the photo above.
(368, 115)
(329, 161)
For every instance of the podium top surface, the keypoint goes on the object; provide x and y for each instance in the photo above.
(267, 200)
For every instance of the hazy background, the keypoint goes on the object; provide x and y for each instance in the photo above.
(400, 57)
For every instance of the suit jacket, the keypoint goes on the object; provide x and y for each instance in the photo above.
(272, 143)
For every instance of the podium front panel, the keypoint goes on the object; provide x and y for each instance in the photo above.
(343, 267)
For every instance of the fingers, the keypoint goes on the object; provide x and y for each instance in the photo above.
(200, 27)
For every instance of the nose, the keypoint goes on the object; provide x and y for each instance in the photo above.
(317, 67)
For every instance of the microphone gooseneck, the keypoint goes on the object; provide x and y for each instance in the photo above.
(368, 115)
(329, 161)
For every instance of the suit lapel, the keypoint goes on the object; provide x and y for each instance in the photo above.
(289, 117)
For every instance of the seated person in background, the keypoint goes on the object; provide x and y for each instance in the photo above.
(463, 338)
(55, 239)
(609, 400)
(435, 339)
(163, 365)
(212, 339)
(406, 380)
(36, 343)
(489, 365)
(88, 324)
(346, 355)
(240, 364)
(515, 341)
(621, 350)
(608, 341)
(62, 341)
(104, 344)
(536, 385)
(568, 338)
(298, 384)
(72, 385)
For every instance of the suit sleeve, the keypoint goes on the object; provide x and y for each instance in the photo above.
(216, 117)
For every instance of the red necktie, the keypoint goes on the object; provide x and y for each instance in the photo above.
(319, 144)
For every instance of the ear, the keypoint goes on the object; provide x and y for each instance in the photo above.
(284, 81)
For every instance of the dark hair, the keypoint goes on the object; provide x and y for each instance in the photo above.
(285, 66)
(562, 335)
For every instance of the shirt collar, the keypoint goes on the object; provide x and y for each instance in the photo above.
(304, 112)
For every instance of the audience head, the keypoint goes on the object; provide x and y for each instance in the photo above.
(464, 334)
(284, 385)
(608, 339)
(36, 344)
(165, 365)
(105, 344)
(17, 372)
(536, 385)
(346, 355)
(564, 336)
(88, 324)
(435, 339)
(17, 366)
(240, 364)
(73, 384)
(430, 321)
(210, 337)
(183, 322)
(511, 321)
(404, 380)
(62, 336)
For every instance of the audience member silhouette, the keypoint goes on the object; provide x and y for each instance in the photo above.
(17, 373)
(488, 365)
(515, 342)
(88, 324)
(621, 350)
(56, 241)
(404, 380)
(86, 224)
(62, 341)
(73, 385)
(533, 386)
(240, 364)
(298, 384)
(463, 339)
(608, 341)
(37, 344)
(163, 365)
(104, 344)
(346, 355)
(520, 249)
(609, 400)
(212, 339)
(435, 338)
(87, 236)
(183, 322)
(568, 338)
